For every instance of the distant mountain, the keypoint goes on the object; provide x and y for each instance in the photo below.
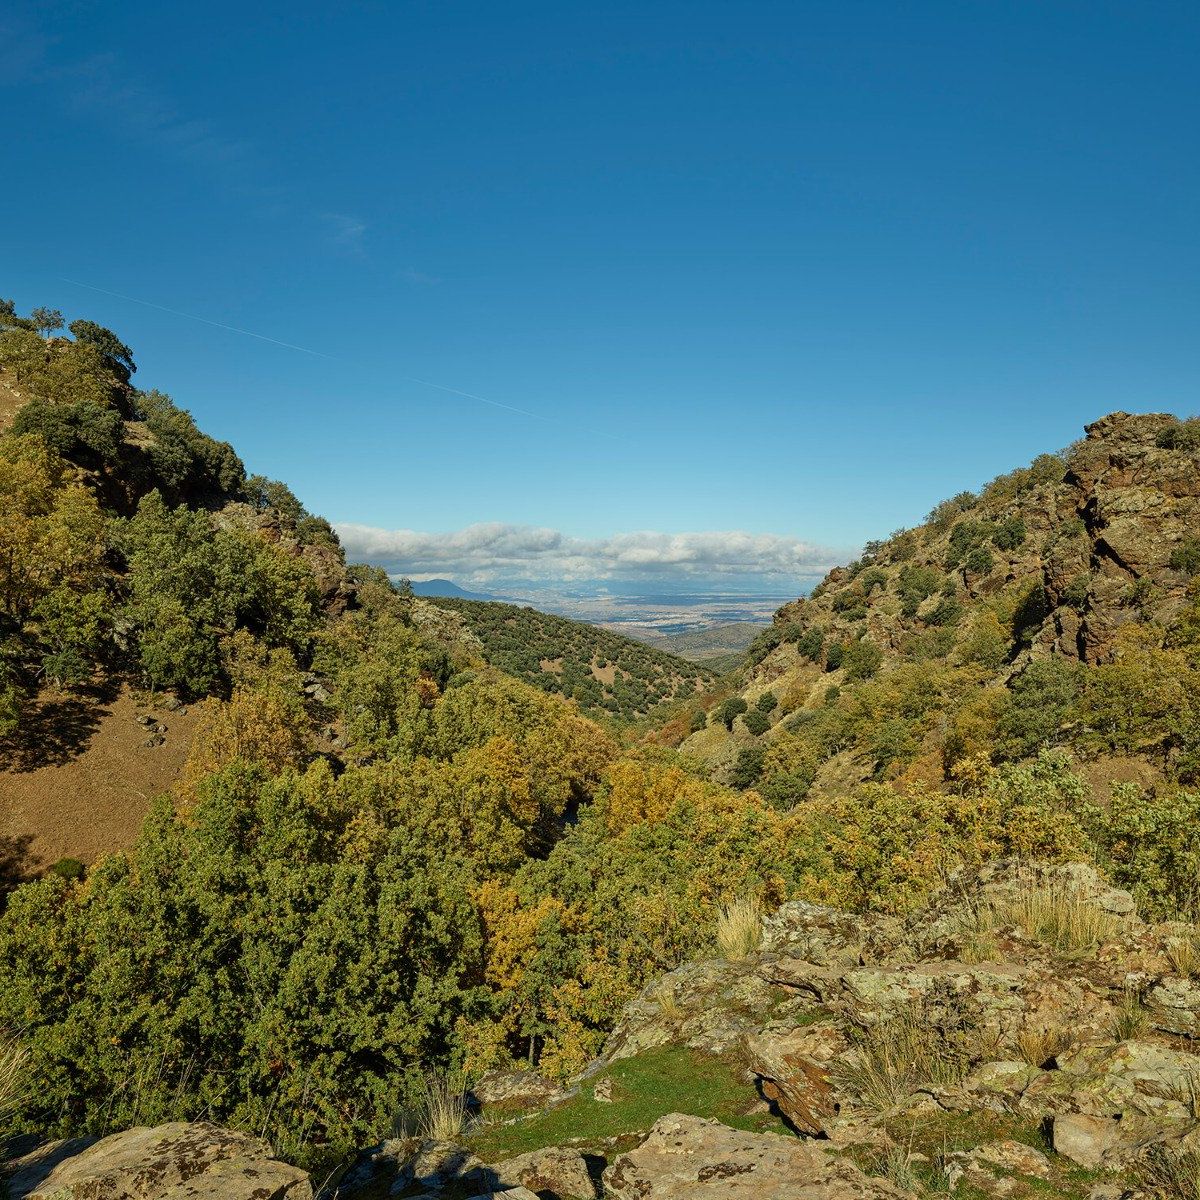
(446, 587)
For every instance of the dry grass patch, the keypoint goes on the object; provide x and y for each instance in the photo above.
(1059, 916)
(440, 1111)
(896, 1056)
(1042, 1044)
(665, 998)
(13, 1058)
(1129, 1019)
(1184, 954)
(1171, 1175)
(739, 927)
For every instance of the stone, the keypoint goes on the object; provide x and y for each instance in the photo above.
(517, 1193)
(179, 1161)
(526, 1088)
(793, 1069)
(1085, 1139)
(602, 1092)
(687, 1158)
(557, 1169)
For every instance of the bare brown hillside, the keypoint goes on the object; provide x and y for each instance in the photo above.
(79, 782)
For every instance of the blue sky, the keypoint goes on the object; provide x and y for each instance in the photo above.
(792, 270)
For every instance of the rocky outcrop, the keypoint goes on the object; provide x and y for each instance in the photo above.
(179, 1161)
(686, 1158)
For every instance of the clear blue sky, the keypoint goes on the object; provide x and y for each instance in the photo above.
(798, 269)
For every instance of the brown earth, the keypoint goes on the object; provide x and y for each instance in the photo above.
(79, 782)
(10, 400)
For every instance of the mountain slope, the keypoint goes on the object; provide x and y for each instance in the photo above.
(1059, 607)
(601, 670)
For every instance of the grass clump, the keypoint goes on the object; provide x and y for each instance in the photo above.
(1060, 916)
(13, 1057)
(928, 1043)
(1041, 1045)
(739, 927)
(439, 1113)
(1170, 1174)
(1129, 1020)
(1184, 954)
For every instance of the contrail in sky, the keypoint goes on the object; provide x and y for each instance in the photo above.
(262, 337)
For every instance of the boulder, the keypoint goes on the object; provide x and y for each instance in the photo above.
(521, 1088)
(687, 1158)
(557, 1169)
(793, 1067)
(1085, 1139)
(179, 1161)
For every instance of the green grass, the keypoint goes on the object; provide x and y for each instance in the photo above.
(931, 1138)
(667, 1080)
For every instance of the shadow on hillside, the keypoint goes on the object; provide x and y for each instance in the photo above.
(53, 730)
(14, 853)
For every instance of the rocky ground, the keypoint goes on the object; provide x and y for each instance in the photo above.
(1028, 1035)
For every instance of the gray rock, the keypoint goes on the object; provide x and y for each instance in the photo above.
(557, 1169)
(179, 1161)
(686, 1158)
(516, 1087)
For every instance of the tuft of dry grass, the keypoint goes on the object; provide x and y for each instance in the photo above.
(13, 1059)
(1184, 954)
(1060, 916)
(664, 996)
(439, 1113)
(1039, 1046)
(1170, 1174)
(1129, 1019)
(739, 927)
(897, 1055)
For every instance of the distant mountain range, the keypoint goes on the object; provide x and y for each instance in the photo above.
(446, 587)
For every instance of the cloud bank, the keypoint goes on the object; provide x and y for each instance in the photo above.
(488, 552)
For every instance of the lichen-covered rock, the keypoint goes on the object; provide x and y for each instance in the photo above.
(709, 1006)
(793, 1066)
(179, 1161)
(519, 1088)
(686, 1158)
(557, 1169)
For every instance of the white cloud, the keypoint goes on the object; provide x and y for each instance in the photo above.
(487, 552)
(346, 231)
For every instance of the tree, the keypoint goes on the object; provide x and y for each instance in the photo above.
(731, 710)
(699, 721)
(114, 350)
(46, 320)
(768, 702)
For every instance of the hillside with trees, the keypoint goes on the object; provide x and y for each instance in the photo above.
(1057, 609)
(881, 877)
(604, 672)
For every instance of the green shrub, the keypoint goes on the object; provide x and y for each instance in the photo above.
(768, 702)
(756, 722)
(1186, 557)
(1184, 435)
(748, 767)
(730, 710)
(862, 659)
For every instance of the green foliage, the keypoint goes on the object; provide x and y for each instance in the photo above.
(730, 710)
(756, 722)
(85, 432)
(861, 659)
(563, 656)
(979, 561)
(916, 584)
(116, 353)
(188, 466)
(1042, 699)
(748, 767)
(699, 721)
(1186, 557)
(768, 702)
(1009, 534)
(809, 642)
(1183, 435)
(1151, 845)
(189, 583)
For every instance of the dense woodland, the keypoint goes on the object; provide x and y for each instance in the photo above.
(473, 873)
(602, 671)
